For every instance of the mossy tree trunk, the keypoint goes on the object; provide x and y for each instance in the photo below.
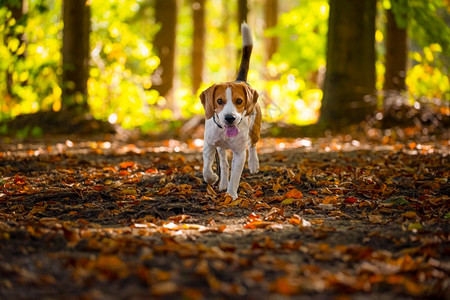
(396, 57)
(198, 47)
(164, 42)
(350, 75)
(270, 20)
(75, 53)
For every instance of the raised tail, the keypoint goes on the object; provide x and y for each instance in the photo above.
(247, 44)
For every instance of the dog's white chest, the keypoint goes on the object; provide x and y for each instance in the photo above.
(216, 136)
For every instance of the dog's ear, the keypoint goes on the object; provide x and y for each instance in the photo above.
(252, 98)
(207, 98)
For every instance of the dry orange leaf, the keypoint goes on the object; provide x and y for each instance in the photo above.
(128, 192)
(235, 202)
(261, 205)
(124, 173)
(227, 200)
(309, 211)
(285, 286)
(351, 200)
(258, 224)
(126, 164)
(297, 220)
(276, 187)
(211, 191)
(110, 263)
(376, 219)
(258, 193)
(164, 288)
(20, 180)
(294, 193)
(409, 214)
(179, 218)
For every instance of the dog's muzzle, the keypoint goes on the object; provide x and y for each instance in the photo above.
(230, 119)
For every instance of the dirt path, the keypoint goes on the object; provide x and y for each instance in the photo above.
(324, 218)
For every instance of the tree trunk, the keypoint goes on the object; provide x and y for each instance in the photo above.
(396, 58)
(18, 10)
(271, 19)
(198, 47)
(230, 47)
(350, 75)
(75, 52)
(164, 42)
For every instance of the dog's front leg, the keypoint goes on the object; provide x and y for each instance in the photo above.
(208, 159)
(253, 161)
(237, 165)
(224, 169)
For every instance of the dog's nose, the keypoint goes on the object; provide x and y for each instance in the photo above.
(230, 119)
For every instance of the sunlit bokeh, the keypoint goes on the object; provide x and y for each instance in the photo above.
(123, 58)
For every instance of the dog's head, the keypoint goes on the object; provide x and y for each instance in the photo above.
(230, 102)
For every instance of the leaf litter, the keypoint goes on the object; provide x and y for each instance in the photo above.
(333, 218)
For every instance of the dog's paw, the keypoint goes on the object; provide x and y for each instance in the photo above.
(253, 164)
(223, 184)
(210, 177)
(233, 194)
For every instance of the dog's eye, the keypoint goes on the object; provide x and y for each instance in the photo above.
(238, 101)
(219, 101)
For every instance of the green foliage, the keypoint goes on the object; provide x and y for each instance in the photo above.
(122, 61)
(123, 58)
(428, 78)
(430, 51)
(34, 66)
(299, 63)
(426, 18)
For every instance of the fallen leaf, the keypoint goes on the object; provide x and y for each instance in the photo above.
(258, 224)
(297, 220)
(409, 214)
(179, 218)
(288, 201)
(276, 187)
(351, 200)
(126, 164)
(164, 288)
(129, 192)
(211, 191)
(375, 219)
(235, 202)
(294, 193)
(285, 286)
(415, 226)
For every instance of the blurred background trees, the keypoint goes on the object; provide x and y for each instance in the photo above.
(75, 55)
(350, 75)
(142, 63)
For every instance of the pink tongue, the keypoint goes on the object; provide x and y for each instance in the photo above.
(231, 131)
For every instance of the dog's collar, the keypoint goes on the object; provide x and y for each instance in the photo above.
(214, 119)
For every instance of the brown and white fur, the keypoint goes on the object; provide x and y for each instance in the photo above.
(233, 120)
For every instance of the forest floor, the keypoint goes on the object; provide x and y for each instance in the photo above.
(346, 216)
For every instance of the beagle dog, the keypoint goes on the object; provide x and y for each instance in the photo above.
(233, 120)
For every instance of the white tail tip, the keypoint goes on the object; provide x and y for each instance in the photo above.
(246, 35)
